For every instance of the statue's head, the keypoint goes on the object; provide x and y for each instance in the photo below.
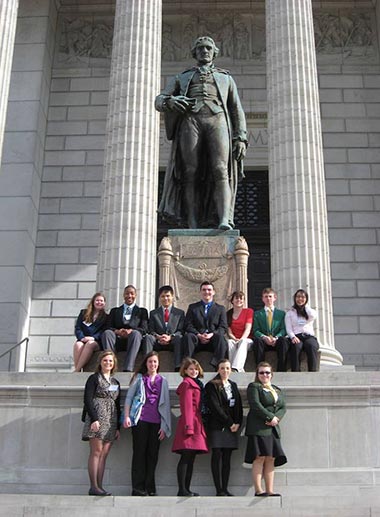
(204, 42)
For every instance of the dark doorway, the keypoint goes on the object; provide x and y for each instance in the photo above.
(252, 219)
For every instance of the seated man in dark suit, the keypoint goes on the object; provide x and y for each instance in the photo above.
(205, 326)
(269, 330)
(166, 326)
(126, 326)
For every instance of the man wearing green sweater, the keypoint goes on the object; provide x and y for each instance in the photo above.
(269, 330)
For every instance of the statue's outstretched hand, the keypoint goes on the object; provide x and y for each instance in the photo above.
(180, 103)
(239, 150)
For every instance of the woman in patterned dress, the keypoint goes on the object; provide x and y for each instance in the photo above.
(101, 415)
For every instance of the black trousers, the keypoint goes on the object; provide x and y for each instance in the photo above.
(311, 346)
(217, 345)
(281, 347)
(145, 456)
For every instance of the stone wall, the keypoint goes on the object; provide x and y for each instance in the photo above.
(349, 81)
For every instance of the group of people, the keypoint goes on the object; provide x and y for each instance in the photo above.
(211, 418)
(205, 326)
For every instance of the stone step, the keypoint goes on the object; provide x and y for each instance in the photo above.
(330, 503)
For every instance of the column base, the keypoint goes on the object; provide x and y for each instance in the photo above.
(330, 356)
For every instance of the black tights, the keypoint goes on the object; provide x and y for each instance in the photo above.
(185, 470)
(220, 468)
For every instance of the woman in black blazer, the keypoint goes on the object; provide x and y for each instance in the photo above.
(225, 418)
(89, 328)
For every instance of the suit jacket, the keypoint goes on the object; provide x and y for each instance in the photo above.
(196, 322)
(260, 324)
(175, 324)
(262, 408)
(222, 415)
(138, 321)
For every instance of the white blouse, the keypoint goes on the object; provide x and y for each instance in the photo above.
(296, 324)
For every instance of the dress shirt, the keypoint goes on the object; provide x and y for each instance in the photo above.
(127, 317)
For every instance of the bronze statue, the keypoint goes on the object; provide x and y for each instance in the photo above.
(205, 120)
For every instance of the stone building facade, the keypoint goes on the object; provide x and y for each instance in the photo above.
(82, 149)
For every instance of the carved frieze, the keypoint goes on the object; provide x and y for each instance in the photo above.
(345, 34)
(86, 39)
(238, 36)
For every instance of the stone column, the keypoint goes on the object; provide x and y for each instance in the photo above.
(298, 213)
(127, 250)
(8, 20)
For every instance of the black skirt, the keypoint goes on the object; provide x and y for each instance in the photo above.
(218, 439)
(265, 446)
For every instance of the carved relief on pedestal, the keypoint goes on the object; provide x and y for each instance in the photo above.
(185, 261)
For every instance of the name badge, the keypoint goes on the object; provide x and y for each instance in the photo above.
(232, 402)
(113, 387)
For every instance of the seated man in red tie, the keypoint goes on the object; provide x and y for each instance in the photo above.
(166, 326)
(269, 330)
(206, 326)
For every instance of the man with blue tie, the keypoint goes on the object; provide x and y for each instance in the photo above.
(126, 326)
(205, 326)
(166, 326)
(269, 330)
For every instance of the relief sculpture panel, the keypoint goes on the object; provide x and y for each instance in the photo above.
(238, 36)
(345, 35)
(340, 35)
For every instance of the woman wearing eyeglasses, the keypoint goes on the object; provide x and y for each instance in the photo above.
(266, 409)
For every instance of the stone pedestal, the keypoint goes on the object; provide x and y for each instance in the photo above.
(189, 257)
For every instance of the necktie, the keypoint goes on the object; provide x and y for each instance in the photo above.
(127, 314)
(272, 390)
(269, 318)
(207, 306)
(166, 315)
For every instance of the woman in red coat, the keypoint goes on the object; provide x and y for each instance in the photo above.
(190, 436)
